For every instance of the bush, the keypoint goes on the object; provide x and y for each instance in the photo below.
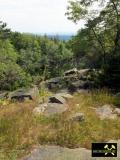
(12, 77)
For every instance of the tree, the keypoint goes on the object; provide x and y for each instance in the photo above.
(104, 27)
(4, 31)
(12, 77)
(106, 20)
(7, 52)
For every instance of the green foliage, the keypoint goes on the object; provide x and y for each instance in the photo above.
(12, 76)
(101, 46)
(4, 32)
(86, 50)
(7, 52)
(27, 58)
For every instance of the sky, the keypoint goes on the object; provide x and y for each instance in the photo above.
(37, 16)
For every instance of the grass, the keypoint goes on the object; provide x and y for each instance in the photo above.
(21, 131)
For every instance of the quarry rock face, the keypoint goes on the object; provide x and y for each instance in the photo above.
(72, 79)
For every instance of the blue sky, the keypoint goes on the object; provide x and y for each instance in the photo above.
(37, 16)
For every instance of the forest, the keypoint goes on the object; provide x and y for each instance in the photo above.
(28, 58)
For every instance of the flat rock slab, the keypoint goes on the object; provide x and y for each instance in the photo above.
(57, 99)
(65, 95)
(55, 108)
(61, 153)
(58, 153)
(105, 112)
(24, 93)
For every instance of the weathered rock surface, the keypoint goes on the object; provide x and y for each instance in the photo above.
(22, 94)
(53, 83)
(65, 95)
(57, 98)
(77, 117)
(49, 109)
(117, 111)
(80, 84)
(71, 72)
(105, 111)
(61, 153)
(73, 77)
(55, 108)
(4, 95)
(56, 105)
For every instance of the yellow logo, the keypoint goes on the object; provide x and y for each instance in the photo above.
(109, 150)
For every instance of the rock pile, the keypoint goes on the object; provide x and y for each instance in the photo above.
(56, 104)
(72, 79)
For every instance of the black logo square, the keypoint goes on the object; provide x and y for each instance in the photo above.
(104, 149)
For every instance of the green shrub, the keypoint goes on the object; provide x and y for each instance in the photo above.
(12, 76)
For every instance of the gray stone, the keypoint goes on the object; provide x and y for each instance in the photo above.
(22, 94)
(105, 111)
(83, 72)
(53, 83)
(54, 80)
(49, 109)
(55, 108)
(71, 72)
(73, 87)
(117, 111)
(58, 153)
(57, 99)
(61, 153)
(65, 95)
(77, 117)
(4, 95)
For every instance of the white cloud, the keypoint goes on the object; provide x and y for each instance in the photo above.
(38, 16)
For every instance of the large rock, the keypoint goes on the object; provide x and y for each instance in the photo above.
(55, 108)
(53, 83)
(73, 87)
(60, 153)
(117, 111)
(105, 112)
(83, 73)
(4, 95)
(80, 73)
(50, 109)
(71, 72)
(22, 94)
(57, 98)
(65, 95)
